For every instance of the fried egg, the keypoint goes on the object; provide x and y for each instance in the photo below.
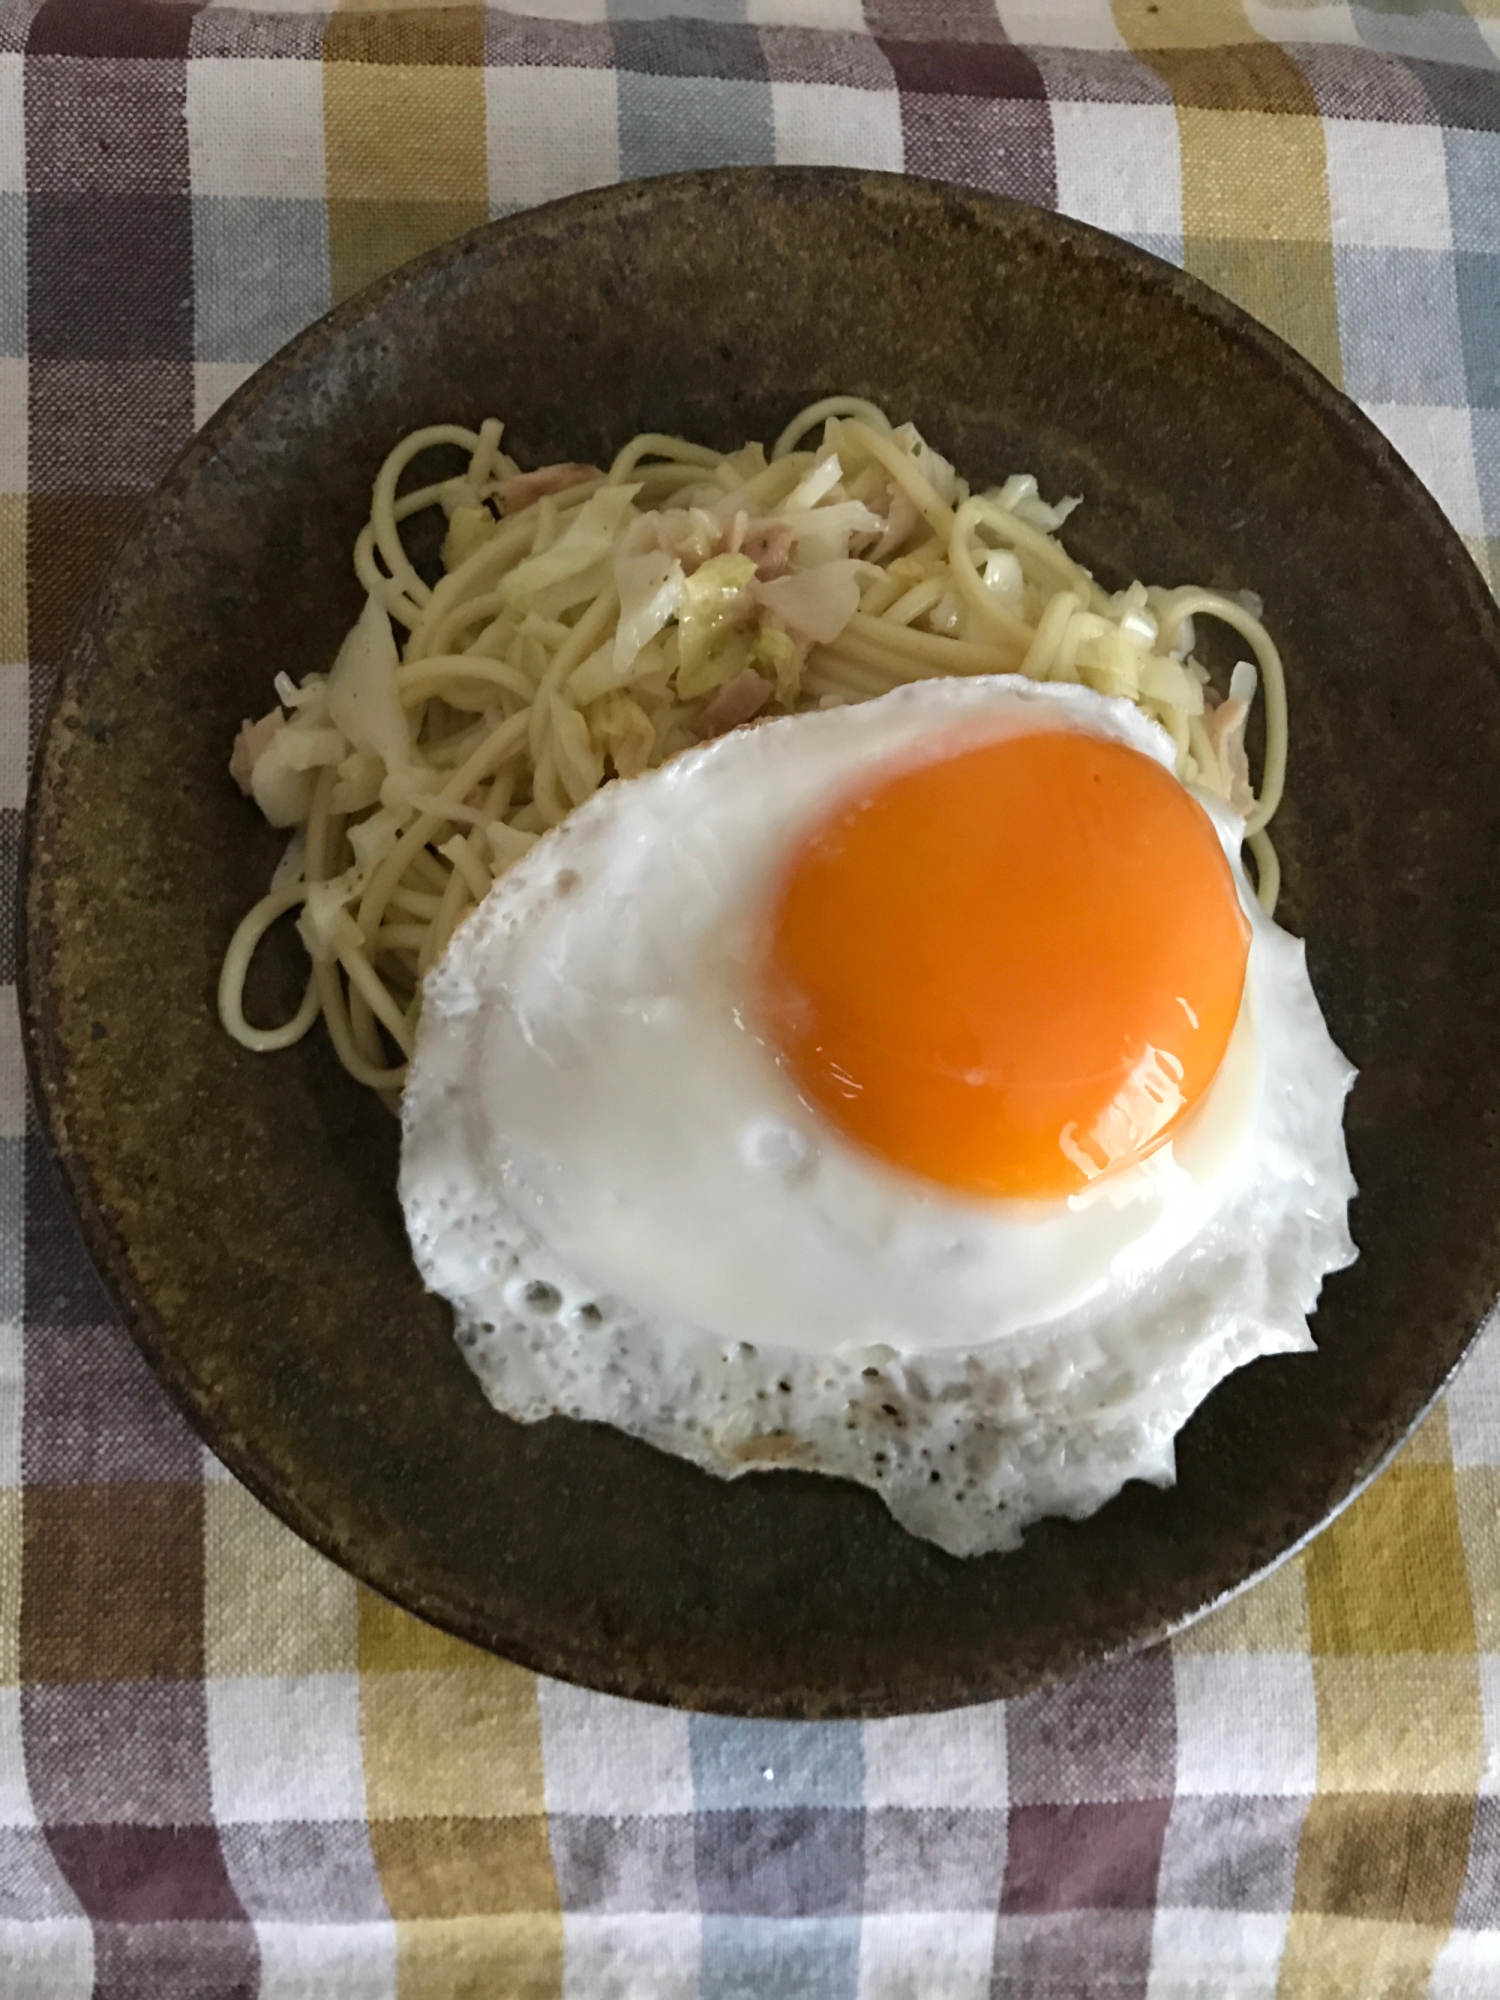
(912, 1092)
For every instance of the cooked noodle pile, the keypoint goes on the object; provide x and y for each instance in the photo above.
(589, 625)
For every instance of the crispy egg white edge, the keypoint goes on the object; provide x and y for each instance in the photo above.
(965, 1445)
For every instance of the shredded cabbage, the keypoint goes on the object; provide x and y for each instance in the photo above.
(621, 730)
(728, 655)
(589, 538)
(816, 483)
(819, 602)
(283, 793)
(638, 632)
(651, 594)
(310, 749)
(1003, 575)
(783, 656)
(310, 694)
(362, 697)
(822, 534)
(1169, 681)
(325, 925)
(715, 598)
(932, 465)
(373, 838)
(359, 781)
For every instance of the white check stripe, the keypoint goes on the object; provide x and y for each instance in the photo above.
(1119, 166)
(1489, 1695)
(327, 1961)
(1247, 1723)
(831, 125)
(845, 17)
(214, 382)
(255, 127)
(1216, 1954)
(957, 1759)
(1474, 1402)
(12, 124)
(1293, 21)
(282, 1749)
(1465, 1967)
(1060, 24)
(1387, 185)
(618, 1958)
(48, 1961)
(550, 132)
(920, 1955)
(604, 1755)
(16, 1808)
(1438, 444)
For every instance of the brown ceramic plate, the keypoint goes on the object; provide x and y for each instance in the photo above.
(242, 1208)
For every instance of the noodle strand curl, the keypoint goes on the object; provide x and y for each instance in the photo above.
(588, 624)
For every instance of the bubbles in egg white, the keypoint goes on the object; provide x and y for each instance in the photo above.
(638, 1221)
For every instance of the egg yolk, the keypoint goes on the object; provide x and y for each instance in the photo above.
(1009, 969)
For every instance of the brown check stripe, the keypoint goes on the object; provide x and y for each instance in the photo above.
(226, 1770)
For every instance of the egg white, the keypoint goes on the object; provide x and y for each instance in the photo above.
(638, 1220)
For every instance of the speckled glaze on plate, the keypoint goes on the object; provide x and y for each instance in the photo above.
(242, 1209)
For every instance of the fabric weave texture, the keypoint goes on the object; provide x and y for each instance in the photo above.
(225, 1768)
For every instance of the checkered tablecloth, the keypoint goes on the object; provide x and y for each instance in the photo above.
(225, 1769)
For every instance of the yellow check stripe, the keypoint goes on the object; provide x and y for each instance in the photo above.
(1256, 220)
(404, 135)
(453, 1777)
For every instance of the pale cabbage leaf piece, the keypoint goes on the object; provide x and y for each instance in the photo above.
(817, 603)
(822, 534)
(715, 600)
(651, 594)
(589, 538)
(778, 651)
(362, 697)
(622, 731)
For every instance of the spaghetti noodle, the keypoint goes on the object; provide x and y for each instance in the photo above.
(590, 624)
